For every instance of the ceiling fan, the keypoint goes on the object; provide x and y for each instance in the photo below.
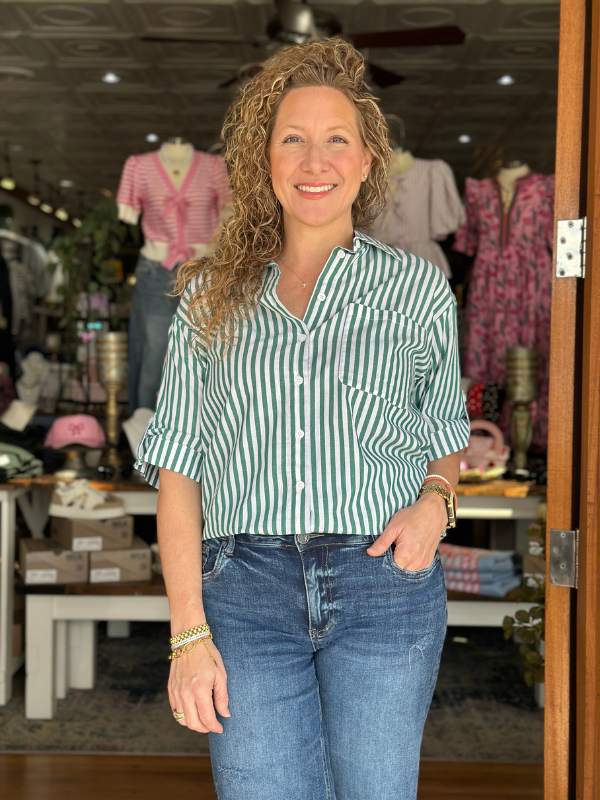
(297, 22)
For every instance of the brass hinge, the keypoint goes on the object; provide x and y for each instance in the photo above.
(570, 248)
(564, 558)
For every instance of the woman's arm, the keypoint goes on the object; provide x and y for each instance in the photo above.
(197, 685)
(417, 529)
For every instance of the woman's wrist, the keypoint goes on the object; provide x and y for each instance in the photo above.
(435, 501)
(183, 621)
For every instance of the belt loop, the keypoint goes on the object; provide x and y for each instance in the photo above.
(230, 547)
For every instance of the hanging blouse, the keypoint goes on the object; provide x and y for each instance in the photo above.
(508, 302)
(178, 223)
(422, 207)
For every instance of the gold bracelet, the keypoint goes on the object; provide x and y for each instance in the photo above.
(188, 648)
(186, 634)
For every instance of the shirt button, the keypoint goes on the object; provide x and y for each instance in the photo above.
(298, 380)
(301, 337)
(321, 296)
(299, 434)
(299, 486)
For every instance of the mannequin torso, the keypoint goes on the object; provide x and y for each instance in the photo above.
(506, 178)
(176, 157)
(401, 162)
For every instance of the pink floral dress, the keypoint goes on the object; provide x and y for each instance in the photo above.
(508, 302)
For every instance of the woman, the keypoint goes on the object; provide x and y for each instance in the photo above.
(291, 515)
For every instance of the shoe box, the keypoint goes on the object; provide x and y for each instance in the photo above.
(121, 566)
(81, 535)
(44, 561)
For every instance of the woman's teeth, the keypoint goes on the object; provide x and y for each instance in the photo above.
(327, 188)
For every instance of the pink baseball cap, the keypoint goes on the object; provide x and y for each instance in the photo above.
(75, 429)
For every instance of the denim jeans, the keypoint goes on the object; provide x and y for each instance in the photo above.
(331, 656)
(151, 314)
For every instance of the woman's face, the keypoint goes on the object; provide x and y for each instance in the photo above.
(317, 156)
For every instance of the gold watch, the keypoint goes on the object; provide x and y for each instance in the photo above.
(450, 499)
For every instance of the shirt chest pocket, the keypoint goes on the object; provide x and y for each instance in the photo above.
(381, 352)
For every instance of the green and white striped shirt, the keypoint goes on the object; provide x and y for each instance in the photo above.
(324, 424)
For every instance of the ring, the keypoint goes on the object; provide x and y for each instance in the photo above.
(178, 716)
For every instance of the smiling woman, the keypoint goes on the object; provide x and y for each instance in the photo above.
(326, 446)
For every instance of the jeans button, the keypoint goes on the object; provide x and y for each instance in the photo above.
(303, 538)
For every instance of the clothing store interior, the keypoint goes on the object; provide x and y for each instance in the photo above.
(112, 175)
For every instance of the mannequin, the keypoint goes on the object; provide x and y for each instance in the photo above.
(510, 231)
(507, 177)
(422, 202)
(184, 196)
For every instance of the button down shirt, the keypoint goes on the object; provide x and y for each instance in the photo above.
(324, 424)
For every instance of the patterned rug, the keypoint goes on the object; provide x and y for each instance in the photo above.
(481, 710)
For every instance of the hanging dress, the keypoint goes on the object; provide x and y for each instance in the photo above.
(508, 301)
(422, 207)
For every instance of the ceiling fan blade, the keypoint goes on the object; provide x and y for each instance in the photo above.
(383, 77)
(420, 37)
(173, 40)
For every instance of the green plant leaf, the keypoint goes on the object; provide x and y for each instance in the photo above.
(522, 615)
(528, 676)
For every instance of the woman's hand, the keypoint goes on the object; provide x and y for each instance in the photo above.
(198, 686)
(416, 531)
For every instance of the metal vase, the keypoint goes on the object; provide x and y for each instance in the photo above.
(113, 365)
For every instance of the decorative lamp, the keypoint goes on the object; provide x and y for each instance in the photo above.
(521, 389)
(113, 364)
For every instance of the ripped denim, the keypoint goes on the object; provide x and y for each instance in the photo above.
(331, 657)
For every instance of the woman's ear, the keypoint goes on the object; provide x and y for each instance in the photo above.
(367, 161)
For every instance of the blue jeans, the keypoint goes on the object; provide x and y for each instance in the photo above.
(332, 657)
(151, 314)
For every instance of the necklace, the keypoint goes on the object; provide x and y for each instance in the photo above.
(291, 270)
(177, 170)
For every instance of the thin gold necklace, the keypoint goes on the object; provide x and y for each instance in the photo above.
(291, 270)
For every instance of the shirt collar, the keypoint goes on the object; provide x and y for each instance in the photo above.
(359, 243)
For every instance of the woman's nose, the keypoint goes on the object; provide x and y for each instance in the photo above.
(315, 159)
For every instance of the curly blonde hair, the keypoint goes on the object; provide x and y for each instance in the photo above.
(231, 280)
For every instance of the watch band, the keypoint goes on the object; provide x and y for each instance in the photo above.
(448, 496)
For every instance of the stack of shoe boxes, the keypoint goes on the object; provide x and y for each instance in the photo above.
(91, 539)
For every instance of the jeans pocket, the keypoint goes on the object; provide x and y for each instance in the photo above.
(213, 552)
(419, 575)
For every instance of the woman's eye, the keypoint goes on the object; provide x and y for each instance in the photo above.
(338, 139)
(292, 139)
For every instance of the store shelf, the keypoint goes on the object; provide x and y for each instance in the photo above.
(497, 507)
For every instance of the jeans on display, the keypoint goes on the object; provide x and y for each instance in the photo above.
(331, 657)
(151, 314)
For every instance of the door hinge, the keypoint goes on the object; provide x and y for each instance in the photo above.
(570, 248)
(564, 558)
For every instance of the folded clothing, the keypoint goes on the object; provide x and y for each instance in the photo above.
(475, 559)
(30, 438)
(489, 589)
(473, 576)
(15, 462)
(476, 571)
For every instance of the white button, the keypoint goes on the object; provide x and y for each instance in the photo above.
(298, 380)
(321, 296)
(301, 337)
(299, 434)
(299, 486)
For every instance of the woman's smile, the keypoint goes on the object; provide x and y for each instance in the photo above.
(314, 191)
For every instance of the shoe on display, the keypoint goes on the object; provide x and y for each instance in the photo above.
(79, 500)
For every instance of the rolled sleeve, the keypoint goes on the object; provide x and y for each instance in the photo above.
(441, 400)
(173, 439)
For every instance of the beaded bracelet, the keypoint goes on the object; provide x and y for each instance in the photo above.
(191, 632)
(191, 639)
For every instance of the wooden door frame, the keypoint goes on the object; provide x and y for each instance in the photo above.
(572, 725)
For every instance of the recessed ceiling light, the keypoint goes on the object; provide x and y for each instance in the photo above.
(34, 200)
(506, 80)
(66, 183)
(110, 77)
(7, 183)
(46, 208)
(16, 148)
(76, 222)
(152, 137)
(61, 214)
(464, 138)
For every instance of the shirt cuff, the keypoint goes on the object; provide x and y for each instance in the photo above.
(160, 452)
(128, 214)
(451, 439)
